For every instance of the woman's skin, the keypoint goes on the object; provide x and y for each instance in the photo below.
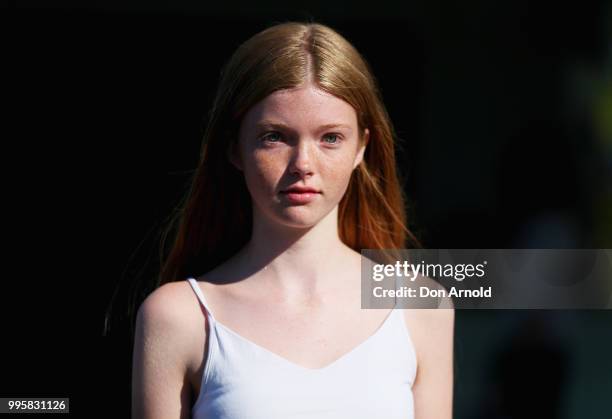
(295, 288)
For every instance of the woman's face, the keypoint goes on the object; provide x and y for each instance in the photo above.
(298, 138)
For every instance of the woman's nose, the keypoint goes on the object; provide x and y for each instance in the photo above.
(301, 161)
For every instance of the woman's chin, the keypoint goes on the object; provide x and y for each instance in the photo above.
(299, 222)
(298, 217)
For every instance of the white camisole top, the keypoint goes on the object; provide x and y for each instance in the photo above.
(242, 380)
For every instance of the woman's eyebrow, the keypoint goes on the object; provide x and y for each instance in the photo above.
(280, 125)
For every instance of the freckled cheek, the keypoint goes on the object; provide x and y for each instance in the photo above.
(263, 173)
(338, 175)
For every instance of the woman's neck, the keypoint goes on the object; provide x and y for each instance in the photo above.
(298, 262)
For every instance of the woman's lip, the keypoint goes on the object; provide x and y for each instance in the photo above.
(300, 191)
(297, 197)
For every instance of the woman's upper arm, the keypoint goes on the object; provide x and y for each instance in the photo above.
(160, 385)
(433, 386)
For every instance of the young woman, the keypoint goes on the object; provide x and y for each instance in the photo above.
(259, 310)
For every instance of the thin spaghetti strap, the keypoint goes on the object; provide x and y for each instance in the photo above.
(396, 306)
(200, 295)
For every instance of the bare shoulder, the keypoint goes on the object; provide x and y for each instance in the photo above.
(165, 352)
(431, 329)
(442, 317)
(171, 306)
(432, 332)
(173, 311)
(429, 320)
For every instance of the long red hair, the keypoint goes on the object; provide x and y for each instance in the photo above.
(214, 219)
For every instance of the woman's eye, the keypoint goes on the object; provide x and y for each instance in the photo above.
(334, 137)
(272, 137)
(275, 137)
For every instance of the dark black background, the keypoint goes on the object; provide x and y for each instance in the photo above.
(491, 101)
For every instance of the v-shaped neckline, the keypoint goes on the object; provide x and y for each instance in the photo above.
(295, 365)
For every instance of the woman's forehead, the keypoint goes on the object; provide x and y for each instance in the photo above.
(304, 105)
